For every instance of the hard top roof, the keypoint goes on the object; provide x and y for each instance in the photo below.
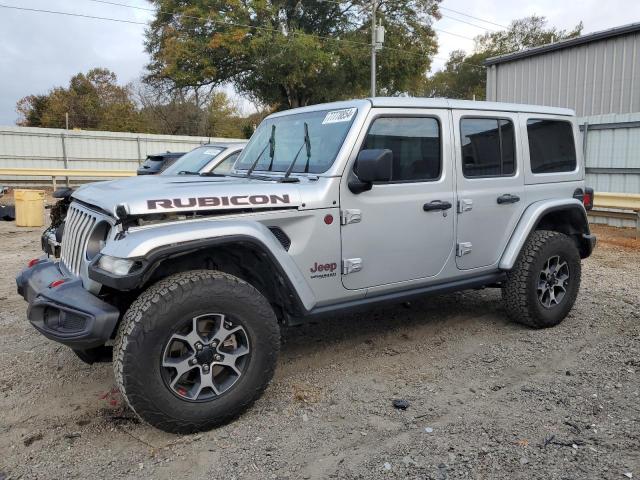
(421, 102)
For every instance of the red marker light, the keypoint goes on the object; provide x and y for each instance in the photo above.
(328, 219)
(32, 262)
(57, 283)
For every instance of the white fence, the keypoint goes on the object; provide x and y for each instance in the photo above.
(27, 147)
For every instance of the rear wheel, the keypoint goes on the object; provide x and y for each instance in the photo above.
(543, 285)
(195, 350)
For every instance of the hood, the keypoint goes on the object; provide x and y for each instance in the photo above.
(172, 194)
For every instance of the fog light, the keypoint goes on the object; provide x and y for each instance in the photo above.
(117, 266)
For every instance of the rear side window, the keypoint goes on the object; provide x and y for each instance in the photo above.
(488, 147)
(551, 146)
(415, 143)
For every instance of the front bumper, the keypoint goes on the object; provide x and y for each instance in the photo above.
(68, 313)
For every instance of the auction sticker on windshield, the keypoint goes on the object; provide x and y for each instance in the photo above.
(337, 116)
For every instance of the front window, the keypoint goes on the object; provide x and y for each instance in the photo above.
(415, 143)
(194, 161)
(275, 149)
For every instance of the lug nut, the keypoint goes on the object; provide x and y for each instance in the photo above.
(205, 368)
(198, 346)
(194, 361)
(214, 343)
(217, 358)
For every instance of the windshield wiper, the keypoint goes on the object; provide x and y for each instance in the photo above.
(212, 174)
(306, 143)
(187, 172)
(272, 144)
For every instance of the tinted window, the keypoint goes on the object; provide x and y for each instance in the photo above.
(551, 146)
(415, 143)
(488, 147)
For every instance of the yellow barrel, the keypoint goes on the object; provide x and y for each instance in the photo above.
(29, 208)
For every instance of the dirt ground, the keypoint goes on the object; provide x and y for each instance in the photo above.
(488, 399)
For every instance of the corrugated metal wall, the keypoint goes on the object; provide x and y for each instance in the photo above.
(594, 78)
(24, 147)
(612, 156)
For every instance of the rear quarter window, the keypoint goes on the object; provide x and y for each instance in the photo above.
(551, 146)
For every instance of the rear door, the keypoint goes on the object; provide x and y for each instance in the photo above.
(490, 185)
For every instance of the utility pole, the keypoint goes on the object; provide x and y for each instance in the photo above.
(374, 7)
(66, 120)
(377, 39)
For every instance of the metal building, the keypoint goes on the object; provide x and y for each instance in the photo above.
(598, 76)
(593, 74)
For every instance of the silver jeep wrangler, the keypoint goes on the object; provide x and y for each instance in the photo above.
(330, 208)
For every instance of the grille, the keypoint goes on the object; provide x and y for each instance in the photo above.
(77, 228)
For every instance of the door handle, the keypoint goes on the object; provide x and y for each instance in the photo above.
(436, 205)
(508, 198)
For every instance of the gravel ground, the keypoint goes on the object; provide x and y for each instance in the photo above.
(488, 399)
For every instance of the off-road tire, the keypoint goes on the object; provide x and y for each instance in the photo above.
(151, 318)
(520, 291)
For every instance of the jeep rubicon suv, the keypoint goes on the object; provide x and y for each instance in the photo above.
(329, 208)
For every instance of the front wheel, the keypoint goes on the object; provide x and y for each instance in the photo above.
(543, 285)
(195, 350)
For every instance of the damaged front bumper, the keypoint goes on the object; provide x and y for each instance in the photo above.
(62, 310)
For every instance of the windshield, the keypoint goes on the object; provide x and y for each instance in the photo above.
(327, 130)
(194, 161)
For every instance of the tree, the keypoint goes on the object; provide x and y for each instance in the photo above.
(94, 101)
(181, 113)
(464, 75)
(288, 54)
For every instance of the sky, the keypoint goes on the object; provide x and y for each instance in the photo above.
(39, 51)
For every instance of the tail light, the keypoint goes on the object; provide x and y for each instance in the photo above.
(586, 197)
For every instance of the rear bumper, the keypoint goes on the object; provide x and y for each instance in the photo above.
(68, 313)
(588, 245)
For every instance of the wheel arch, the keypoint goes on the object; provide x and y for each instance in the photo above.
(241, 256)
(248, 250)
(566, 216)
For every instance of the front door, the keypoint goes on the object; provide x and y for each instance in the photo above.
(490, 184)
(401, 230)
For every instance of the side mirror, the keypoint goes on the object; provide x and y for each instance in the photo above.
(374, 165)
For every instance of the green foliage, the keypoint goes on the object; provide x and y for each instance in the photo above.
(464, 76)
(177, 113)
(94, 101)
(284, 53)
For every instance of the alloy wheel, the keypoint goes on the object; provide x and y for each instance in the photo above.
(205, 358)
(553, 281)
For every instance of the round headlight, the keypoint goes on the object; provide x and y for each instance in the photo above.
(97, 239)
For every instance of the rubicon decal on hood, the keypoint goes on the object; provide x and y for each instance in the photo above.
(204, 202)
